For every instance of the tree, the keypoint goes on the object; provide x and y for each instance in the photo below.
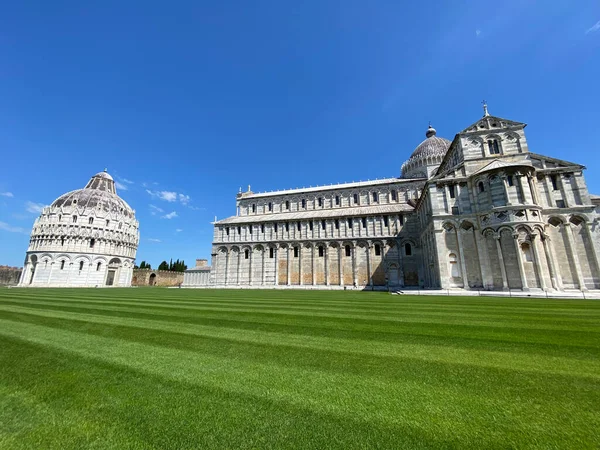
(163, 266)
(145, 265)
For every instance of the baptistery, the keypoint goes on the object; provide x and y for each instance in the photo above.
(85, 238)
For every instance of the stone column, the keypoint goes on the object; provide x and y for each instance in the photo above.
(501, 261)
(461, 255)
(484, 261)
(354, 274)
(300, 281)
(448, 207)
(533, 189)
(276, 250)
(289, 266)
(538, 263)
(555, 276)
(326, 256)
(225, 278)
(250, 256)
(312, 264)
(573, 251)
(506, 191)
(239, 265)
(563, 191)
(369, 264)
(264, 276)
(341, 262)
(524, 283)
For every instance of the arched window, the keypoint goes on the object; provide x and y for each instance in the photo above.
(481, 186)
(377, 250)
(271, 252)
(74, 219)
(303, 203)
(320, 202)
(348, 250)
(246, 254)
(299, 226)
(407, 249)
(355, 199)
(321, 251)
(287, 204)
(526, 250)
(98, 266)
(337, 224)
(62, 264)
(80, 265)
(337, 200)
(62, 241)
(107, 222)
(296, 251)
(394, 195)
(59, 217)
(493, 146)
(91, 220)
(270, 206)
(92, 242)
(453, 261)
(375, 197)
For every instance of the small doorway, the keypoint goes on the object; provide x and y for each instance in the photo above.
(152, 280)
(110, 278)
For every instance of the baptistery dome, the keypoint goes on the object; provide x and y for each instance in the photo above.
(427, 156)
(86, 237)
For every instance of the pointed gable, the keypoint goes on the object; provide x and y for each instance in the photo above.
(492, 123)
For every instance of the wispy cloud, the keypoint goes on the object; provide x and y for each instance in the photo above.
(125, 180)
(120, 186)
(34, 207)
(595, 28)
(477, 33)
(196, 208)
(155, 210)
(178, 230)
(6, 194)
(171, 215)
(154, 240)
(6, 227)
(167, 196)
(170, 196)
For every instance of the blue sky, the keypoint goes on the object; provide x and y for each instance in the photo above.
(186, 101)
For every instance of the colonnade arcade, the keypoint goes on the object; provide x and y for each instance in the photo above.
(555, 255)
(356, 263)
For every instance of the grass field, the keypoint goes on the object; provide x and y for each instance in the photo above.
(176, 368)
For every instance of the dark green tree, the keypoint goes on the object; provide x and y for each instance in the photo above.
(163, 266)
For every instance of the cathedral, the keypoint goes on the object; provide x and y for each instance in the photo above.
(480, 212)
(85, 238)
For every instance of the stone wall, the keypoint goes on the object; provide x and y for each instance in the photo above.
(9, 276)
(149, 277)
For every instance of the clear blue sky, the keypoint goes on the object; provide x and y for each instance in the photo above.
(199, 98)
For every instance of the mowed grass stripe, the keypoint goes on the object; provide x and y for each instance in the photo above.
(551, 307)
(242, 342)
(514, 315)
(365, 397)
(274, 314)
(133, 409)
(349, 329)
(203, 378)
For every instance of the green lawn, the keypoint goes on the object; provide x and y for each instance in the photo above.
(177, 368)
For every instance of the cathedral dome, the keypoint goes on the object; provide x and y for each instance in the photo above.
(91, 234)
(426, 157)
